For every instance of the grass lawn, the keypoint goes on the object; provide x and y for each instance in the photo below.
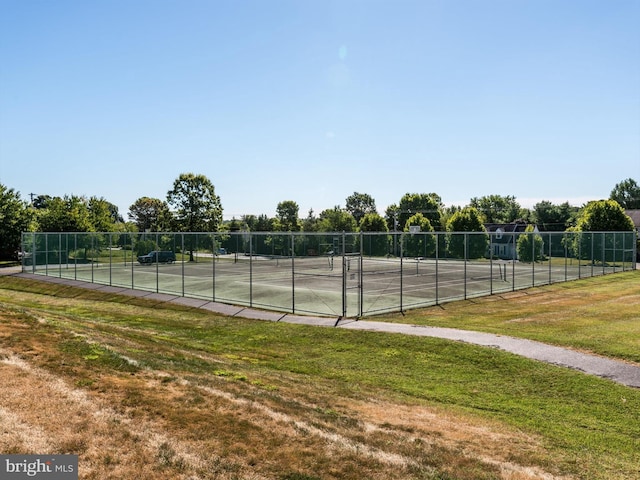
(598, 314)
(160, 391)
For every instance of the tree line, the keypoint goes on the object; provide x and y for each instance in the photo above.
(191, 205)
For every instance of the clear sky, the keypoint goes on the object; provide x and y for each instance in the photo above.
(312, 100)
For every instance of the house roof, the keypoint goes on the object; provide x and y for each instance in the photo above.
(499, 228)
(635, 216)
(506, 227)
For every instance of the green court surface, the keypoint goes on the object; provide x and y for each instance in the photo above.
(343, 286)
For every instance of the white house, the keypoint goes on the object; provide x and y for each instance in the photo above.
(504, 238)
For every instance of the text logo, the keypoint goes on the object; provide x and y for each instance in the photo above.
(45, 467)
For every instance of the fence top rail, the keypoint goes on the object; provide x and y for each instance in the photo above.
(324, 234)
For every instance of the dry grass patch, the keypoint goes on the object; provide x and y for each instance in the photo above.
(144, 391)
(158, 424)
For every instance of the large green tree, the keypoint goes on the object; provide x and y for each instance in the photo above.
(554, 218)
(103, 215)
(65, 214)
(428, 204)
(359, 204)
(497, 208)
(627, 194)
(15, 218)
(530, 246)
(373, 222)
(287, 216)
(150, 214)
(391, 217)
(337, 220)
(601, 216)
(40, 201)
(375, 238)
(259, 223)
(196, 206)
(422, 244)
(475, 243)
(311, 223)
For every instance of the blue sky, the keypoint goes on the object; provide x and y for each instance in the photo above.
(310, 100)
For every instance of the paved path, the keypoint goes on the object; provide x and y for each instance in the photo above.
(615, 370)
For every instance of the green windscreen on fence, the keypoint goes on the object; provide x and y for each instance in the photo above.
(332, 274)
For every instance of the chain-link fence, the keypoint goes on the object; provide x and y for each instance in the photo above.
(334, 274)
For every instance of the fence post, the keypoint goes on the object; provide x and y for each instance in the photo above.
(92, 250)
(182, 239)
(133, 236)
(344, 277)
(580, 237)
(59, 255)
(361, 277)
(491, 263)
(75, 256)
(293, 278)
(614, 252)
(532, 239)
(213, 267)
(566, 256)
(33, 254)
(402, 272)
(514, 256)
(110, 259)
(466, 239)
(634, 252)
(593, 257)
(46, 255)
(604, 252)
(250, 270)
(549, 257)
(437, 258)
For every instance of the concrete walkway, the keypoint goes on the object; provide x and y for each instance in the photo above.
(615, 370)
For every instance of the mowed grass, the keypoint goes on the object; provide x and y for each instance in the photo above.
(598, 314)
(554, 420)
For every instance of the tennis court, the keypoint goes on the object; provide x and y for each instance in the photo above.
(333, 274)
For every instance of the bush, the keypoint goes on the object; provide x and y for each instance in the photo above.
(530, 246)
